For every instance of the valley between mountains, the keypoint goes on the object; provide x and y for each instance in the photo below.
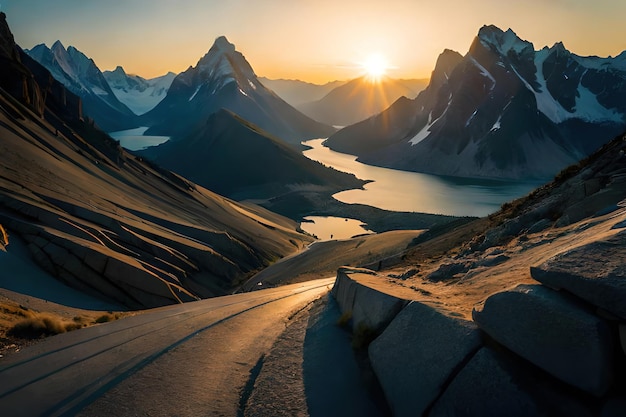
(176, 279)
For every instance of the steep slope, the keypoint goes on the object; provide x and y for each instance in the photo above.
(359, 99)
(504, 110)
(224, 79)
(82, 77)
(103, 221)
(139, 94)
(296, 92)
(232, 157)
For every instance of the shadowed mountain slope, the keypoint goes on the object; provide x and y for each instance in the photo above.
(235, 158)
(103, 221)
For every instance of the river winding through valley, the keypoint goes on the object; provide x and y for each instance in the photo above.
(388, 189)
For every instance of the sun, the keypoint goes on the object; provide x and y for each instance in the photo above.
(375, 67)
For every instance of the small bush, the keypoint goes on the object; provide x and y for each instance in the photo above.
(37, 326)
(105, 318)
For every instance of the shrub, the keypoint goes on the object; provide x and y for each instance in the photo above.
(37, 326)
(105, 318)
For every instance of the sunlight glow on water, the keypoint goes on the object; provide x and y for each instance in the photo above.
(412, 191)
(327, 228)
(133, 139)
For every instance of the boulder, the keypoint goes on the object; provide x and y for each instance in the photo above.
(554, 332)
(595, 272)
(496, 384)
(417, 353)
(371, 310)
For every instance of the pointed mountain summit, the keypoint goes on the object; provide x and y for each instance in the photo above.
(223, 78)
(81, 76)
(139, 94)
(503, 110)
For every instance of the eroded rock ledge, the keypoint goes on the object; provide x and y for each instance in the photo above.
(530, 350)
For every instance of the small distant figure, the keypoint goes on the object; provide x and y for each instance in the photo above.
(331, 236)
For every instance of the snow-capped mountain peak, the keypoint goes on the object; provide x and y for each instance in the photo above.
(222, 65)
(223, 78)
(222, 44)
(81, 76)
(503, 110)
(139, 94)
(492, 36)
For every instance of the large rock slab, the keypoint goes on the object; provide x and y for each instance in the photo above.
(417, 353)
(371, 310)
(495, 384)
(554, 332)
(595, 272)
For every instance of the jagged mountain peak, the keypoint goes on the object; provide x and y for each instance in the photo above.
(446, 62)
(447, 58)
(223, 78)
(224, 61)
(503, 41)
(58, 45)
(7, 42)
(222, 44)
(119, 70)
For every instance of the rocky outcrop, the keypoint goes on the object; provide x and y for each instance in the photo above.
(595, 272)
(529, 351)
(553, 332)
(494, 383)
(418, 352)
(370, 310)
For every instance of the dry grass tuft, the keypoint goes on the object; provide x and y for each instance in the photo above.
(41, 325)
(105, 318)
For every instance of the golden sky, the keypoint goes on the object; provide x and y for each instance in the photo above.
(311, 40)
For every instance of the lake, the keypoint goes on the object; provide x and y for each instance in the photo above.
(396, 190)
(329, 228)
(134, 140)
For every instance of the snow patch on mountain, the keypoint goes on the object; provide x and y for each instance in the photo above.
(423, 134)
(195, 92)
(138, 93)
(588, 108)
(502, 41)
(484, 72)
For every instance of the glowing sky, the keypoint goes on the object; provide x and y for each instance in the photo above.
(313, 40)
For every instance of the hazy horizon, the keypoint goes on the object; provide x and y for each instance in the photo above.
(316, 42)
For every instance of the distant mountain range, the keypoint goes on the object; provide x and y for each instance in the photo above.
(359, 99)
(224, 79)
(296, 92)
(503, 110)
(105, 222)
(82, 77)
(139, 94)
